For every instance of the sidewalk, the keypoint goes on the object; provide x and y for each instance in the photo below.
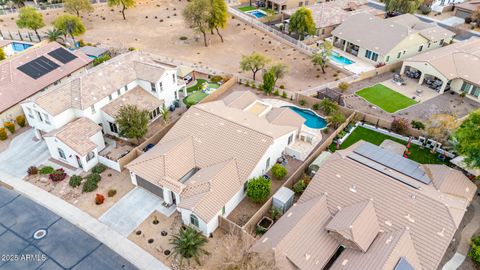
(110, 238)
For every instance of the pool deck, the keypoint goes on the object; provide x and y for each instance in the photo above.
(357, 67)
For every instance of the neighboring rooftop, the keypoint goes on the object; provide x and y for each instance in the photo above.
(136, 96)
(382, 35)
(93, 51)
(29, 72)
(468, 5)
(458, 60)
(343, 207)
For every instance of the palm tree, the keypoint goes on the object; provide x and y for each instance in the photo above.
(164, 113)
(54, 35)
(328, 106)
(188, 243)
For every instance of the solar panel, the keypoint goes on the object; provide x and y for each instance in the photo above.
(38, 67)
(393, 161)
(62, 55)
(403, 264)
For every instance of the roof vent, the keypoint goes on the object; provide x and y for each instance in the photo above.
(353, 189)
(410, 218)
(442, 233)
(265, 240)
(388, 223)
(389, 240)
(307, 256)
(338, 175)
(344, 262)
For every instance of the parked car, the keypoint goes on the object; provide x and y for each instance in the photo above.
(187, 79)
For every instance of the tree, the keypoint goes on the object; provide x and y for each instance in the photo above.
(279, 172)
(164, 113)
(279, 70)
(343, 86)
(253, 62)
(132, 122)
(440, 126)
(197, 16)
(258, 189)
(400, 125)
(402, 6)
(328, 106)
(301, 22)
(336, 119)
(322, 56)
(218, 16)
(268, 82)
(3, 56)
(467, 140)
(54, 34)
(189, 244)
(75, 6)
(30, 18)
(474, 252)
(126, 4)
(69, 25)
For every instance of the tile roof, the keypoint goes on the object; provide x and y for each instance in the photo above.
(16, 86)
(284, 116)
(451, 181)
(240, 99)
(458, 60)
(77, 134)
(136, 96)
(470, 5)
(382, 35)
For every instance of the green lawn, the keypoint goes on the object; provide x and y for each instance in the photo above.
(194, 98)
(417, 154)
(196, 86)
(385, 98)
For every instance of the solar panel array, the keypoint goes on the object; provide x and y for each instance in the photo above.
(62, 55)
(38, 67)
(403, 264)
(393, 161)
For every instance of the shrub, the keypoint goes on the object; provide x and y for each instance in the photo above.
(47, 170)
(101, 59)
(343, 86)
(10, 126)
(81, 43)
(247, 83)
(276, 93)
(131, 49)
(278, 171)
(282, 86)
(316, 106)
(216, 79)
(92, 182)
(99, 168)
(260, 230)
(284, 94)
(75, 181)
(302, 102)
(99, 199)
(474, 252)
(425, 10)
(258, 189)
(299, 187)
(183, 38)
(275, 213)
(3, 134)
(58, 175)
(112, 192)
(417, 125)
(32, 170)
(400, 125)
(468, 20)
(20, 119)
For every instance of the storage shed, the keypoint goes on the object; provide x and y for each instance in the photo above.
(283, 199)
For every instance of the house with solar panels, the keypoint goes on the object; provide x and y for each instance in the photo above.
(368, 207)
(33, 72)
(74, 116)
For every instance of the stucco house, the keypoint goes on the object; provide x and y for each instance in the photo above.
(33, 72)
(203, 163)
(456, 66)
(72, 116)
(383, 212)
(386, 41)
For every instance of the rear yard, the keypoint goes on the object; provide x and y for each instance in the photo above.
(386, 98)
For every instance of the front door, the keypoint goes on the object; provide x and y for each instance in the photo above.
(79, 161)
(174, 199)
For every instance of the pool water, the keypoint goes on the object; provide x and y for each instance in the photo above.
(257, 13)
(312, 120)
(18, 47)
(335, 57)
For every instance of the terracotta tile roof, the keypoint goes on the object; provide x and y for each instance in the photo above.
(16, 86)
(77, 134)
(136, 96)
(355, 225)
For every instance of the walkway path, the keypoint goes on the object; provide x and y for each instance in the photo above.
(121, 245)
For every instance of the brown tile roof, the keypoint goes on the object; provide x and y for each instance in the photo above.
(77, 134)
(16, 86)
(451, 181)
(356, 225)
(136, 96)
(458, 60)
(470, 5)
(284, 117)
(240, 99)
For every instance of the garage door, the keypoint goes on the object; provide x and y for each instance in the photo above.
(150, 187)
(462, 14)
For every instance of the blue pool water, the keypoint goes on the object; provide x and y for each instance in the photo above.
(312, 119)
(18, 47)
(340, 59)
(256, 13)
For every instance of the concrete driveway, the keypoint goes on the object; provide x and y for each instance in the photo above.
(131, 210)
(22, 153)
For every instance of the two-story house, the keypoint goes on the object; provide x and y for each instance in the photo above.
(93, 99)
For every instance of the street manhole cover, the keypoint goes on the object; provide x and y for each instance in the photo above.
(39, 234)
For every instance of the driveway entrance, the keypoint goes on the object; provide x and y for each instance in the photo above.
(131, 210)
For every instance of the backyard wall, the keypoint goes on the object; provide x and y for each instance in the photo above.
(380, 70)
(222, 89)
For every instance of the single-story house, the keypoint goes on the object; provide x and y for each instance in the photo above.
(466, 9)
(383, 212)
(33, 71)
(386, 41)
(456, 66)
(202, 165)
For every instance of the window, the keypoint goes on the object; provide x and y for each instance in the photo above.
(47, 120)
(245, 187)
(428, 46)
(420, 48)
(154, 89)
(465, 87)
(30, 114)
(61, 153)
(475, 91)
(161, 87)
(371, 55)
(125, 88)
(93, 109)
(267, 164)
(223, 210)
(110, 97)
(194, 220)
(404, 52)
(399, 54)
(300, 4)
(387, 59)
(39, 116)
(90, 156)
(119, 92)
(290, 139)
(441, 42)
(157, 110)
(173, 78)
(113, 127)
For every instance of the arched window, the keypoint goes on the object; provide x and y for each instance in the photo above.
(194, 220)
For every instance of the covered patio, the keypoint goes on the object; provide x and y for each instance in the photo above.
(433, 82)
(410, 88)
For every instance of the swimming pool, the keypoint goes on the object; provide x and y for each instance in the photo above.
(312, 120)
(257, 13)
(337, 58)
(18, 47)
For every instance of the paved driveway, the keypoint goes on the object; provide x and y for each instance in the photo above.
(22, 153)
(131, 210)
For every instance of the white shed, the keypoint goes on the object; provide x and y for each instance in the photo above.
(283, 199)
(315, 165)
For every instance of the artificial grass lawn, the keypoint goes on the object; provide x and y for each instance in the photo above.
(385, 98)
(196, 87)
(418, 154)
(194, 98)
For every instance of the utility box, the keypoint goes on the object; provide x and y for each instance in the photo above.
(283, 199)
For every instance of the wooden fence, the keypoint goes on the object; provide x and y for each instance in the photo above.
(222, 89)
